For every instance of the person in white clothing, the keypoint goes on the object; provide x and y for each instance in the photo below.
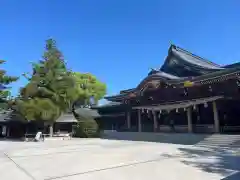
(38, 136)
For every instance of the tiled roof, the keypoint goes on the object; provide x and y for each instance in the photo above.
(6, 116)
(189, 64)
(87, 113)
(179, 66)
(194, 59)
(66, 118)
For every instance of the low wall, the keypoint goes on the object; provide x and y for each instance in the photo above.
(173, 138)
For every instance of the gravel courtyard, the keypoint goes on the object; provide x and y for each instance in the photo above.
(98, 159)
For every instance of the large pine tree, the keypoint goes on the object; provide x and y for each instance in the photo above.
(5, 80)
(51, 88)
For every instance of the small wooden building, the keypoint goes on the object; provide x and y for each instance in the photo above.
(65, 123)
(12, 125)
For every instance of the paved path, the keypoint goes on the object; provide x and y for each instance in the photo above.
(95, 159)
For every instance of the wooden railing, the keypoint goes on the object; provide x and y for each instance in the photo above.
(203, 128)
(230, 129)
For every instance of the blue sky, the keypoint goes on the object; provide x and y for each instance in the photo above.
(117, 40)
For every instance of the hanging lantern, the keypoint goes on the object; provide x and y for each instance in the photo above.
(159, 115)
(205, 104)
(194, 107)
(177, 110)
(210, 88)
(238, 83)
(185, 92)
(184, 109)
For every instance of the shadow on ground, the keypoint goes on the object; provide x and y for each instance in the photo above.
(171, 138)
(214, 160)
(12, 139)
(219, 160)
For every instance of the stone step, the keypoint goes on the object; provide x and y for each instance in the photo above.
(223, 136)
(222, 147)
(228, 142)
(214, 143)
(223, 139)
(230, 138)
(220, 141)
(219, 145)
(227, 137)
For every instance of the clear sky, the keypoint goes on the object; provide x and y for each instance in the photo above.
(117, 40)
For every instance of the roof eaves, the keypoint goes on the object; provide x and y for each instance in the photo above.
(110, 104)
(118, 96)
(127, 91)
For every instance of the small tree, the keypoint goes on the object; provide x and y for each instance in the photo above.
(86, 128)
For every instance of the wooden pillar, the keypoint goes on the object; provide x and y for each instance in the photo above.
(189, 119)
(51, 130)
(129, 119)
(4, 131)
(139, 121)
(155, 123)
(216, 117)
(8, 131)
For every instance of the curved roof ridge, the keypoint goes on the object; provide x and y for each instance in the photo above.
(193, 55)
(162, 74)
(126, 90)
(166, 75)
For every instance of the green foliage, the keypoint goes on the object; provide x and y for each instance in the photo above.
(87, 128)
(88, 86)
(51, 88)
(5, 79)
(38, 109)
(4, 90)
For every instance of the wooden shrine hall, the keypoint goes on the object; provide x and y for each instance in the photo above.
(186, 94)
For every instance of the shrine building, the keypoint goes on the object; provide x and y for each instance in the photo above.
(186, 94)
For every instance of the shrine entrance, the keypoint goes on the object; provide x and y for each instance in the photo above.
(198, 116)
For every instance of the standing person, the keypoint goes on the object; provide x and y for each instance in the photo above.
(172, 125)
(224, 123)
(225, 119)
